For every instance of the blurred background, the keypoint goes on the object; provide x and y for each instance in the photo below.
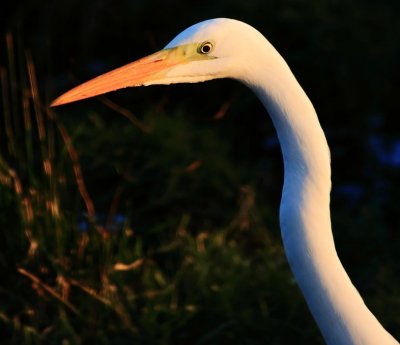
(150, 215)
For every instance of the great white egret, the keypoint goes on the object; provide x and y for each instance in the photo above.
(227, 48)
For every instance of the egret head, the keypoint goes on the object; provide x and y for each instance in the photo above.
(216, 48)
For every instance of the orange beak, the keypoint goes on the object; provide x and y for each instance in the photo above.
(141, 72)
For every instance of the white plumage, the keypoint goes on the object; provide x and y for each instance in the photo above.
(226, 48)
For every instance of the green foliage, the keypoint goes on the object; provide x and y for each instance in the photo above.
(188, 265)
(160, 226)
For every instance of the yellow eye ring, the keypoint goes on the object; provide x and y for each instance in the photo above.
(205, 48)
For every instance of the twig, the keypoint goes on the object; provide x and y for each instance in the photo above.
(125, 112)
(73, 154)
(119, 266)
(115, 305)
(91, 292)
(49, 289)
(223, 110)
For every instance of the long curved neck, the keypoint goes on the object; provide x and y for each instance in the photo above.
(305, 221)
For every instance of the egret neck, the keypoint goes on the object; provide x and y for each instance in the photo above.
(335, 304)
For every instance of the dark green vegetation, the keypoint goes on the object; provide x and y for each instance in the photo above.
(150, 216)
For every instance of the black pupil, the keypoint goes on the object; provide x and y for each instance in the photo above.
(206, 48)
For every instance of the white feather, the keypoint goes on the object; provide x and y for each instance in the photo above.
(242, 53)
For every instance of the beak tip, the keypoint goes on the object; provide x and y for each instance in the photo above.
(55, 103)
(64, 99)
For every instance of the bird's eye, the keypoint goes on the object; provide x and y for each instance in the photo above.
(205, 48)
